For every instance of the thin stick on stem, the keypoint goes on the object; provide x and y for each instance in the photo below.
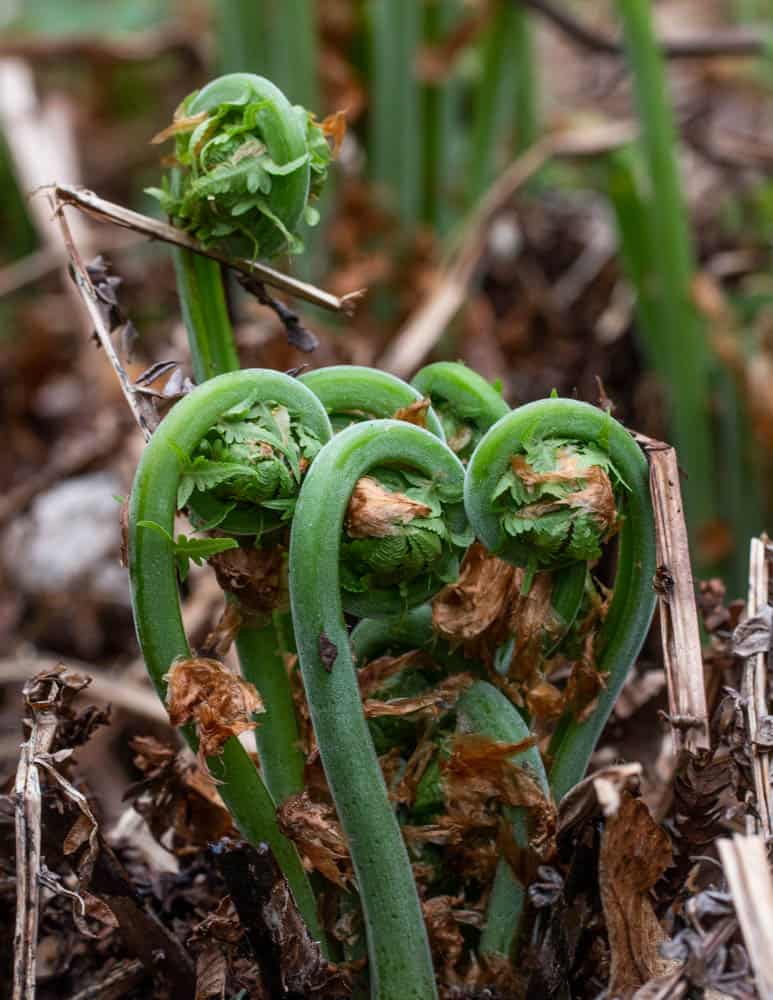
(140, 407)
(107, 211)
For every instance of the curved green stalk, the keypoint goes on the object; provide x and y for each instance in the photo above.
(262, 654)
(353, 392)
(156, 601)
(205, 314)
(400, 961)
(485, 711)
(629, 615)
(466, 403)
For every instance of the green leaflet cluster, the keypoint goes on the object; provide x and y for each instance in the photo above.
(462, 435)
(249, 166)
(557, 501)
(255, 454)
(425, 546)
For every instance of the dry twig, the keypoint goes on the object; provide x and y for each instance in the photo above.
(425, 327)
(673, 582)
(106, 211)
(43, 696)
(727, 42)
(755, 679)
(747, 870)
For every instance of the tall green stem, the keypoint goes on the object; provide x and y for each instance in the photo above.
(400, 961)
(156, 601)
(681, 345)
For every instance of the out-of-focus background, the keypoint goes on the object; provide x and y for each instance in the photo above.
(509, 193)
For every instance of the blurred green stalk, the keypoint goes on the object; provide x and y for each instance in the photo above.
(395, 105)
(659, 250)
(505, 99)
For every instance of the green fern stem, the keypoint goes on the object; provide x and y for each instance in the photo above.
(628, 618)
(156, 601)
(400, 961)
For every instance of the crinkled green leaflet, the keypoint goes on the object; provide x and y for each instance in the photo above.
(250, 164)
(245, 474)
(156, 602)
(630, 613)
(569, 533)
(466, 404)
(400, 963)
(385, 576)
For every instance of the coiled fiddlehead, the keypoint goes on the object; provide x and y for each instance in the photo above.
(466, 404)
(248, 165)
(166, 465)
(400, 963)
(567, 445)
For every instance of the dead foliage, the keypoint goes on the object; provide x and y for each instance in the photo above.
(317, 834)
(375, 512)
(221, 704)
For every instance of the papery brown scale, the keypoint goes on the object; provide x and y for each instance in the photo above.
(256, 577)
(415, 413)
(318, 837)
(375, 512)
(465, 609)
(205, 692)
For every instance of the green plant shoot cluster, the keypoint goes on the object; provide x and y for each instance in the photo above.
(551, 503)
(249, 167)
(255, 454)
(430, 544)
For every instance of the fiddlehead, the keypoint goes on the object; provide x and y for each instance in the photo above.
(178, 462)
(466, 404)
(549, 483)
(400, 963)
(248, 168)
(249, 165)
(351, 393)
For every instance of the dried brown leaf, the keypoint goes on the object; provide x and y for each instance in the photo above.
(435, 701)
(465, 609)
(222, 637)
(371, 677)
(221, 704)
(375, 512)
(445, 935)
(256, 577)
(318, 837)
(415, 413)
(211, 973)
(634, 853)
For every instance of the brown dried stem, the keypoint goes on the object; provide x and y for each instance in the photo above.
(679, 630)
(747, 870)
(754, 685)
(42, 695)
